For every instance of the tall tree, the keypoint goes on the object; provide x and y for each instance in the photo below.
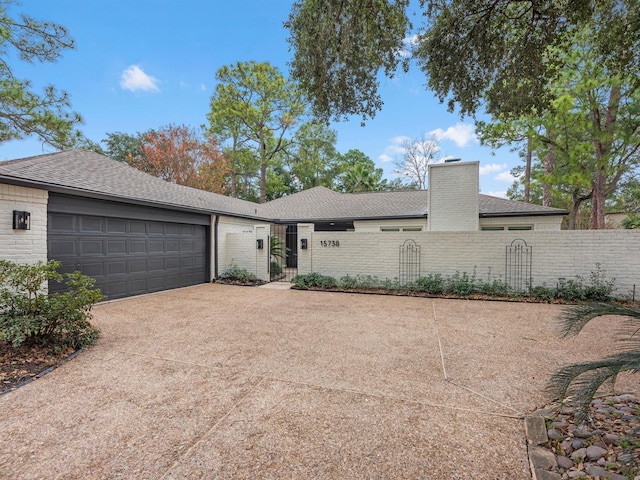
(314, 156)
(418, 154)
(589, 136)
(180, 154)
(125, 147)
(359, 173)
(23, 112)
(475, 53)
(340, 46)
(258, 107)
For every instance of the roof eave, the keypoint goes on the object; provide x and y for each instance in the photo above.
(523, 214)
(79, 192)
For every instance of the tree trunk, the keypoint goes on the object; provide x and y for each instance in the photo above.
(527, 173)
(548, 162)
(234, 186)
(596, 219)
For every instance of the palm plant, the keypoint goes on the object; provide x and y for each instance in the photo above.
(578, 383)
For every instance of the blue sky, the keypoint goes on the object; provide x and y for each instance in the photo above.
(142, 64)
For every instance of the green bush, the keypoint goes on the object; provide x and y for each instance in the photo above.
(461, 284)
(600, 288)
(348, 282)
(570, 290)
(632, 221)
(276, 268)
(433, 283)
(313, 280)
(30, 316)
(238, 274)
(542, 292)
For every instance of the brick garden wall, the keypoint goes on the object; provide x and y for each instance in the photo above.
(561, 254)
(23, 246)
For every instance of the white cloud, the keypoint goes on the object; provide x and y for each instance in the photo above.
(491, 168)
(506, 177)
(462, 134)
(203, 87)
(183, 84)
(134, 79)
(410, 43)
(500, 194)
(395, 150)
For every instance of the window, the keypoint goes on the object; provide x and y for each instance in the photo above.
(492, 229)
(400, 229)
(496, 228)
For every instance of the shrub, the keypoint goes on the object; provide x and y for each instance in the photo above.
(313, 280)
(570, 290)
(461, 284)
(542, 292)
(433, 283)
(28, 315)
(238, 274)
(276, 268)
(494, 288)
(348, 282)
(599, 288)
(576, 384)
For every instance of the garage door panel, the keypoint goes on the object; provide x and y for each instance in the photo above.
(62, 223)
(92, 247)
(116, 247)
(117, 267)
(62, 247)
(116, 225)
(128, 256)
(137, 227)
(91, 224)
(156, 246)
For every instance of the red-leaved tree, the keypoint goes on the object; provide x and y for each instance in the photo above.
(182, 155)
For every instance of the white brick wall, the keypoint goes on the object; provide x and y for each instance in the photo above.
(453, 197)
(23, 246)
(559, 254)
(237, 245)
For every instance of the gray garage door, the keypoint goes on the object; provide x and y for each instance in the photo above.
(128, 249)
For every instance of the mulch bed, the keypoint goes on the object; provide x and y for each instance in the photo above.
(23, 364)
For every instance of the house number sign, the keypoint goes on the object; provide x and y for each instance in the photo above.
(329, 243)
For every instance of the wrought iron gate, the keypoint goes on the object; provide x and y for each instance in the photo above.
(283, 248)
(517, 271)
(409, 261)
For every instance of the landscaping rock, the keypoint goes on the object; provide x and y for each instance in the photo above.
(594, 452)
(564, 462)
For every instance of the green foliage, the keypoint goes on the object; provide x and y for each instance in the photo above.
(600, 287)
(339, 49)
(313, 280)
(275, 267)
(254, 109)
(61, 320)
(461, 284)
(632, 222)
(238, 274)
(433, 283)
(577, 384)
(23, 111)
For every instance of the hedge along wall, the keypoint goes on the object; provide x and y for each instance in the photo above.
(554, 255)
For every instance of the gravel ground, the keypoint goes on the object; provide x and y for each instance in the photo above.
(222, 382)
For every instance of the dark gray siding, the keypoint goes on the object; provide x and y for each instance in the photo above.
(128, 249)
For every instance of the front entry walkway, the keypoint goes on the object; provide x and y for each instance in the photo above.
(226, 382)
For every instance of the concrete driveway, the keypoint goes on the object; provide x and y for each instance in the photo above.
(225, 382)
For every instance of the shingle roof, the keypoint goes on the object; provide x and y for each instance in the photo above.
(87, 173)
(320, 203)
